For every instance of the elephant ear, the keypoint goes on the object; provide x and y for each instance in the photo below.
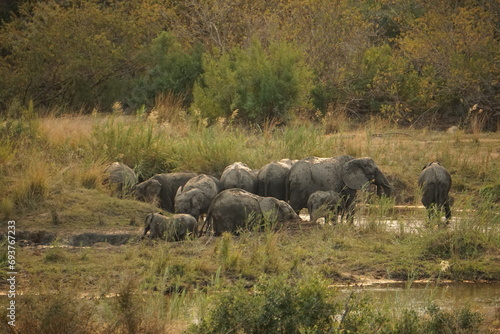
(154, 188)
(354, 174)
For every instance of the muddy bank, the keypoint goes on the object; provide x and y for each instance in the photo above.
(86, 239)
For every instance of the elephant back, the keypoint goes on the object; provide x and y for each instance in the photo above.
(239, 175)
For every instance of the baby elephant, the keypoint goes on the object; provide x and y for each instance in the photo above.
(327, 204)
(435, 182)
(170, 228)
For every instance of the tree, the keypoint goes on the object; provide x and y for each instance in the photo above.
(75, 53)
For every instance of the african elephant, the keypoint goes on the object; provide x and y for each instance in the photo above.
(170, 228)
(162, 187)
(271, 179)
(435, 182)
(239, 175)
(343, 174)
(323, 204)
(121, 178)
(196, 195)
(235, 208)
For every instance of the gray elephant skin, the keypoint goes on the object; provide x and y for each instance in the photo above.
(435, 182)
(196, 195)
(343, 174)
(121, 178)
(239, 175)
(326, 204)
(235, 209)
(169, 228)
(162, 188)
(271, 179)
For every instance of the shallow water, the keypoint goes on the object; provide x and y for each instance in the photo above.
(396, 297)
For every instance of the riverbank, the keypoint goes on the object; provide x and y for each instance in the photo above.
(82, 240)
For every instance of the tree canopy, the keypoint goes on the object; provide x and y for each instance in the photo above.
(404, 59)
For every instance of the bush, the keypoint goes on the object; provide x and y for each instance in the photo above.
(259, 83)
(275, 306)
(170, 69)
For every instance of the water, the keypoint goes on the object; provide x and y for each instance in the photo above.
(481, 297)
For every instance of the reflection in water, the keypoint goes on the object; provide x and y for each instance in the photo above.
(396, 297)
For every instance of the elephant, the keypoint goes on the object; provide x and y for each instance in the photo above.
(162, 187)
(234, 209)
(121, 178)
(344, 175)
(196, 195)
(271, 179)
(170, 228)
(323, 204)
(239, 175)
(435, 182)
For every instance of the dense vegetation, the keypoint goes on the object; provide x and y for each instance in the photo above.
(411, 61)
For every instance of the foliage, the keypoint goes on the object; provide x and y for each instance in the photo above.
(275, 306)
(169, 69)
(72, 53)
(255, 82)
(409, 61)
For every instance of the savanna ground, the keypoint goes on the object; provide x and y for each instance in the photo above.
(52, 187)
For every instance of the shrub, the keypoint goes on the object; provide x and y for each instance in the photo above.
(261, 83)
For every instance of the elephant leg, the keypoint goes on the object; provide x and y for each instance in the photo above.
(146, 229)
(447, 211)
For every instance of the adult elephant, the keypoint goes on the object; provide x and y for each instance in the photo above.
(271, 179)
(234, 209)
(343, 174)
(170, 228)
(121, 178)
(196, 195)
(435, 182)
(239, 175)
(162, 188)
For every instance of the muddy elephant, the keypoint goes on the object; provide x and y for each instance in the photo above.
(162, 188)
(170, 228)
(343, 174)
(435, 183)
(236, 209)
(326, 204)
(271, 179)
(196, 195)
(239, 175)
(121, 178)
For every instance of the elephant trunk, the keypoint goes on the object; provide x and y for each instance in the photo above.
(383, 184)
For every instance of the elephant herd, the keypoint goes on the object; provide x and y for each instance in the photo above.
(243, 197)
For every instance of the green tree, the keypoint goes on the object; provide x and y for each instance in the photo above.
(169, 69)
(74, 53)
(261, 83)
